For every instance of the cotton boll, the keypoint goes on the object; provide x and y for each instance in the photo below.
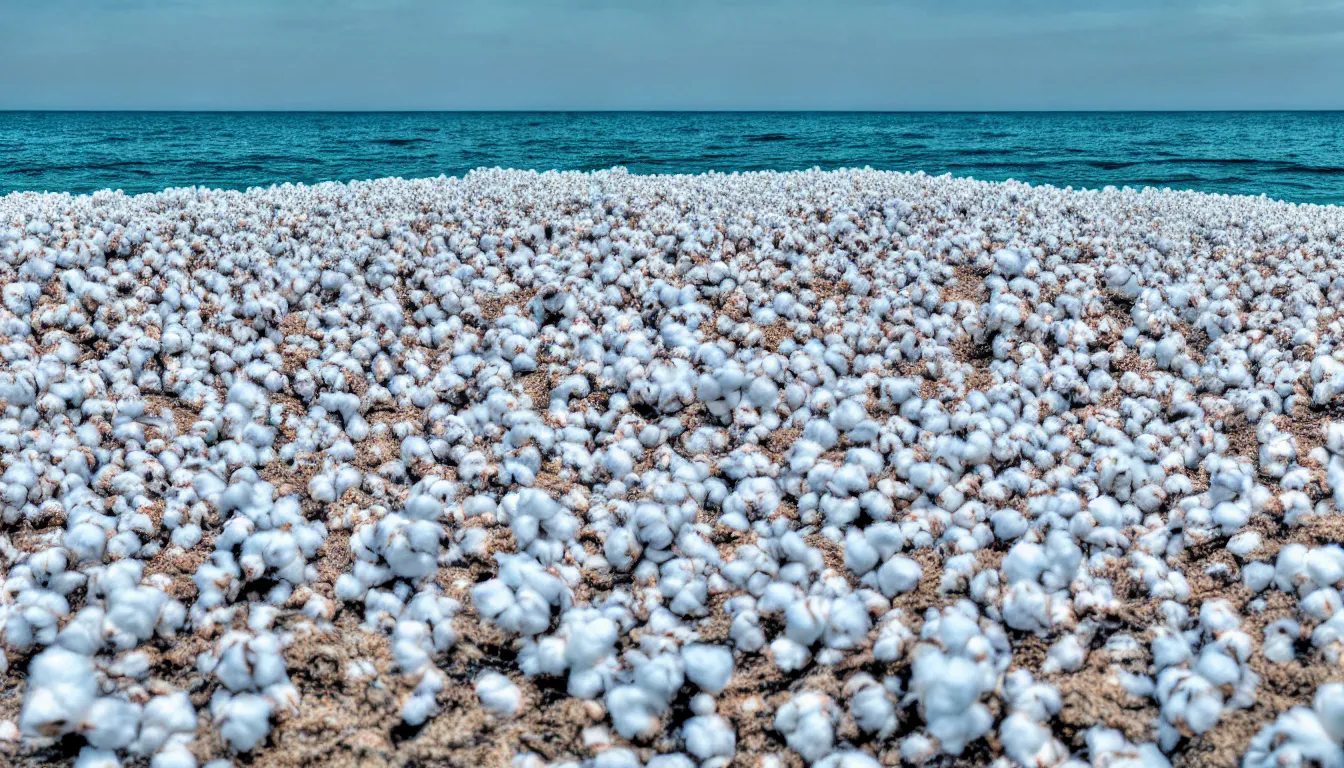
(244, 662)
(60, 694)
(709, 736)
(92, 757)
(807, 724)
(634, 713)
(898, 576)
(113, 723)
(708, 666)
(954, 666)
(175, 756)
(847, 758)
(1029, 743)
(163, 717)
(1298, 737)
(243, 719)
(871, 707)
(498, 694)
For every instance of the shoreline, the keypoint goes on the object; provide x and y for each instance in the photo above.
(177, 192)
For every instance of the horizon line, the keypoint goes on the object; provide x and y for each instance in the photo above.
(6, 110)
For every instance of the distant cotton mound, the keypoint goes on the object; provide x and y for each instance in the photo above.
(776, 469)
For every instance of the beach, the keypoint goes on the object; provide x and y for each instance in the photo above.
(837, 468)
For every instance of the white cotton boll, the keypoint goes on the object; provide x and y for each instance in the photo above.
(804, 620)
(893, 637)
(114, 723)
(708, 736)
(948, 690)
(703, 704)
(590, 641)
(1008, 524)
(848, 758)
(1189, 699)
(788, 655)
(951, 674)
(708, 666)
(1257, 576)
(163, 717)
(498, 694)
(1290, 571)
(243, 719)
(807, 723)
(674, 760)
(1067, 654)
(1296, 737)
(1325, 565)
(918, 748)
(1217, 667)
(899, 575)
(848, 623)
(245, 662)
(1026, 607)
(617, 758)
(92, 757)
(1009, 262)
(860, 556)
(1244, 543)
(175, 756)
(61, 691)
(661, 677)
(1029, 743)
(1329, 706)
(634, 713)
(1321, 604)
(847, 415)
(871, 707)
(1280, 641)
(418, 708)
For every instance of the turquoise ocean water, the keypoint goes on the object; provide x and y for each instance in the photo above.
(1296, 156)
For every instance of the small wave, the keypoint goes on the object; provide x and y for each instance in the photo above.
(122, 165)
(1019, 165)
(267, 158)
(1324, 170)
(765, 137)
(400, 142)
(1179, 160)
(1166, 181)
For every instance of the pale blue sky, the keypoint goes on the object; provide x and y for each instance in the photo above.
(671, 54)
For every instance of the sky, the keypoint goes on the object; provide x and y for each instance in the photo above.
(672, 54)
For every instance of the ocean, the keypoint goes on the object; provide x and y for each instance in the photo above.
(1294, 156)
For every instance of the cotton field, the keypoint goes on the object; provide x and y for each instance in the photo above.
(772, 470)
